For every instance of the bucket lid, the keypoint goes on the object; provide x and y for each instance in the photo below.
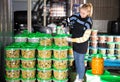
(117, 36)
(23, 79)
(12, 59)
(30, 46)
(44, 59)
(117, 43)
(27, 48)
(17, 44)
(43, 80)
(28, 69)
(89, 72)
(39, 69)
(97, 56)
(11, 79)
(110, 78)
(12, 69)
(110, 36)
(61, 48)
(12, 48)
(45, 36)
(55, 59)
(56, 80)
(33, 35)
(110, 42)
(60, 70)
(101, 48)
(27, 59)
(44, 48)
(62, 35)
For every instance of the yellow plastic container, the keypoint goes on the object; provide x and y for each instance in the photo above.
(12, 62)
(44, 74)
(60, 74)
(44, 63)
(28, 73)
(97, 64)
(60, 64)
(44, 52)
(12, 73)
(28, 63)
(60, 52)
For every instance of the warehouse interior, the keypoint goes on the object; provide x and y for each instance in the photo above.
(34, 16)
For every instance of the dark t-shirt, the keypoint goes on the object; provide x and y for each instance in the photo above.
(79, 26)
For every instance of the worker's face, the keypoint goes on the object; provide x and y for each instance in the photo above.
(84, 13)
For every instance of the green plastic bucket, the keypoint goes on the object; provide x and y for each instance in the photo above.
(89, 72)
(110, 78)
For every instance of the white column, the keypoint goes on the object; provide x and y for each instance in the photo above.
(44, 13)
(84, 1)
(29, 20)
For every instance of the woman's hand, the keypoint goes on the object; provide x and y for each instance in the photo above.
(82, 39)
(69, 39)
(73, 40)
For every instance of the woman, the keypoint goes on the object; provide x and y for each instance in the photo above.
(81, 30)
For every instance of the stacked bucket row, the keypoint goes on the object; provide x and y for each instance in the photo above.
(50, 63)
(107, 53)
(102, 40)
(109, 46)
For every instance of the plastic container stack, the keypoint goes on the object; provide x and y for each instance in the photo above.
(102, 41)
(21, 60)
(117, 51)
(44, 64)
(28, 62)
(110, 51)
(93, 42)
(12, 63)
(60, 59)
(108, 45)
(37, 57)
(103, 44)
(44, 58)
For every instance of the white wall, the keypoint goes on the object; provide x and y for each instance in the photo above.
(100, 25)
(21, 5)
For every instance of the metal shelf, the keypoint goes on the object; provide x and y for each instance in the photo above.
(24, 0)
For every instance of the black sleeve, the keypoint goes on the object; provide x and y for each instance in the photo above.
(89, 23)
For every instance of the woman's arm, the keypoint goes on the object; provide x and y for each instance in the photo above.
(82, 39)
(86, 34)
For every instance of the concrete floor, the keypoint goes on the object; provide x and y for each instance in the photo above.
(112, 70)
(73, 75)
